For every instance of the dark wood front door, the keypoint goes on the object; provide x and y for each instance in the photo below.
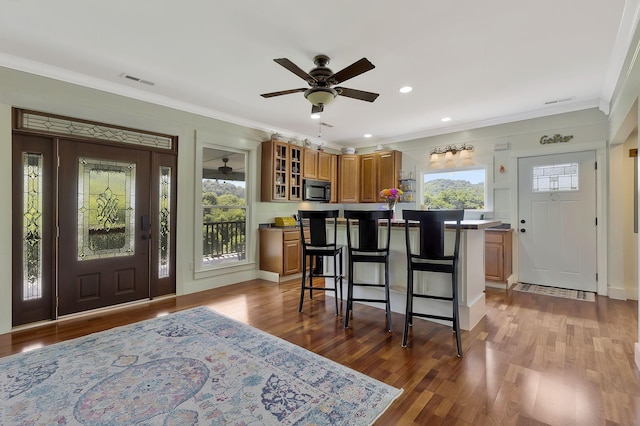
(104, 222)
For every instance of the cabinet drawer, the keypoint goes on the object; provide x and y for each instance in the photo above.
(493, 237)
(291, 235)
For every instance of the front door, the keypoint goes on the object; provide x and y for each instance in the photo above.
(94, 215)
(557, 220)
(103, 226)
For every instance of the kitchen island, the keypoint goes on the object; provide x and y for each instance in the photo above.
(471, 273)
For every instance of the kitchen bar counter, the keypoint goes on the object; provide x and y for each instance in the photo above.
(471, 273)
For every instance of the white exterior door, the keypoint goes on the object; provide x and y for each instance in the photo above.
(557, 220)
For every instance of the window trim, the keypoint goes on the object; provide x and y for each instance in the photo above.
(198, 266)
(488, 183)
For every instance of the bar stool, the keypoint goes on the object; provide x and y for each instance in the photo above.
(431, 256)
(318, 246)
(366, 248)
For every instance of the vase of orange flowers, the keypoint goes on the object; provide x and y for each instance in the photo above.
(391, 197)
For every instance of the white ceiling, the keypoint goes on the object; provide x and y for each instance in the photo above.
(478, 62)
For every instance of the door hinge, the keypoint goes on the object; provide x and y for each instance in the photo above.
(596, 165)
(596, 276)
(596, 221)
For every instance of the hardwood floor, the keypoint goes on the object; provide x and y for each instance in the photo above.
(533, 360)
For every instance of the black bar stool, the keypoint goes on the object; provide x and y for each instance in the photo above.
(431, 256)
(366, 248)
(318, 246)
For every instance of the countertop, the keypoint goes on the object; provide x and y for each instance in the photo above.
(399, 223)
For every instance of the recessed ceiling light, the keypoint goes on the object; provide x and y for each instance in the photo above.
(367, 135)
(315, 116)
(406, 89)
(445, 119)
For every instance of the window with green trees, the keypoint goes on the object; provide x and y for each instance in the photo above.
(455, 189)
(224, 207)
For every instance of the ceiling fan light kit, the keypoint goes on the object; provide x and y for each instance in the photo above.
(322, 79)
(320, 95)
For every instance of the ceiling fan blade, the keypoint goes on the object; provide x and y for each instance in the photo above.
(283, 92)
(317, 109)
(357, 68)
(357, 94)
(294, 69)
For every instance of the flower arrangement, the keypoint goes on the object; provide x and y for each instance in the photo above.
(391, 196)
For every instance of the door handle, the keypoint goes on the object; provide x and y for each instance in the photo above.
(523, 230)
(144, 236)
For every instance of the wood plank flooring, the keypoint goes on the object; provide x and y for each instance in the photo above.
(533, 360)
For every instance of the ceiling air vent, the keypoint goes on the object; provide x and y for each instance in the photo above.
(137, 79)
(557, 101)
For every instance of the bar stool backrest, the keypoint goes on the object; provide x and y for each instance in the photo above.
(316, 222)
(432, 237)
(368, 229)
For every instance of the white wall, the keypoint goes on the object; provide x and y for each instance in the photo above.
(623, 117)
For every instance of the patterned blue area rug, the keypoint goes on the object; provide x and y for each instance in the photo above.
(191, 367)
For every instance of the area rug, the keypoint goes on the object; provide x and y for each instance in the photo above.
(191, 367)
(586, 296)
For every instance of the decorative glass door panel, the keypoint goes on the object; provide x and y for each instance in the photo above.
(106, 209)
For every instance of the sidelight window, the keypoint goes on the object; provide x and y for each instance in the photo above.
(32, 226)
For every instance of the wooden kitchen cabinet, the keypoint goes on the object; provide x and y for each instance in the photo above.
(280, 250)
(348, 178)
(368, 178)
(378, 170)
(497, 254)
(281, 172)
(389, 166)
(317, 165)
(334, 179)
(310, 164)
(324, 165)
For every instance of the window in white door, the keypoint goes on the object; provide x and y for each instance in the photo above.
(555, 177)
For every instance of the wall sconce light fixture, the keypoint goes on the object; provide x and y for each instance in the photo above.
(450, 150)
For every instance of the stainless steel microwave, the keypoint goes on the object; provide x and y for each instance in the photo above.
(316, 190)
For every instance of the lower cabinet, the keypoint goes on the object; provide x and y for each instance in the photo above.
(280, 250)
(497, 254)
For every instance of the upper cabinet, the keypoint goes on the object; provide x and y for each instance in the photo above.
(348, 178)
(281, 172)
(324, 165)
(317, 165)
(378, 170)
(334, 178)
(369, 165)
(354, 178)
(310, 164)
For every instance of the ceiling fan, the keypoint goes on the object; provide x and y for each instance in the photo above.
(321, 81)
(224, 169)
